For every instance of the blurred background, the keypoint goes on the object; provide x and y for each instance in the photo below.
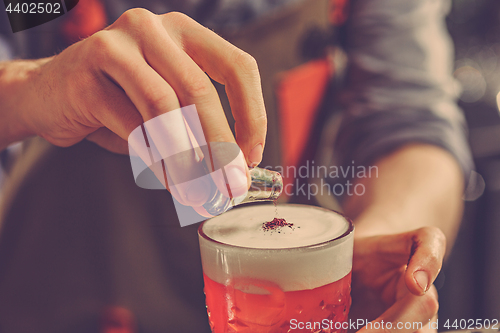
(470, 282)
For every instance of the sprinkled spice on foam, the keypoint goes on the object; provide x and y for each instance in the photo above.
(275, 224)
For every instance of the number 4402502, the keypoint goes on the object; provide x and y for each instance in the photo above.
(35, 8)
(472, 324)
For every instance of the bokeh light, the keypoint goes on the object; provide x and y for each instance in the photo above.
(473, 83)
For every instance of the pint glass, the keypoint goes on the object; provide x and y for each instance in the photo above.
(292, 276)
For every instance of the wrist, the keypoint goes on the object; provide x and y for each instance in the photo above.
(19, 99)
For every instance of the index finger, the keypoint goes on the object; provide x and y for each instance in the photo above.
(192, 87)
(234, 68)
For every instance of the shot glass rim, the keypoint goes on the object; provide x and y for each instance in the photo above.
(349, 231)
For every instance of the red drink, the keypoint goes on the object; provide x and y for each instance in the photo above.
(231, 309)
(287, 286)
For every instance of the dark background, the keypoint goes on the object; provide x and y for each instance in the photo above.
(469, 284)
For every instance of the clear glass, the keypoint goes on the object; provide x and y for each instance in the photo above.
(302, 288)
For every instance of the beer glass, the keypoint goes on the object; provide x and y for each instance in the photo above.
(285, 274)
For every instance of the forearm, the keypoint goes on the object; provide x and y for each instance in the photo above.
(417, 185)
(403, 93)
(18, 93)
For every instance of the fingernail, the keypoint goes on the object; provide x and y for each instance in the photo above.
(198, 192)
(237, 180)
(255, 156)
(422, 280)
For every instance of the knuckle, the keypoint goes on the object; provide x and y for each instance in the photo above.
(101, 45)
(245, 61)
(176, 16)
(199, 88)
(440, 235)
(132, 119)
(157, 102)
(177, 20)
(435, 245)
(136, 22)
(434, 233)
(135, 17)
(100, 38)
(261, 120)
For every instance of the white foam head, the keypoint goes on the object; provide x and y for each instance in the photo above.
(244, 227)
(314, 251)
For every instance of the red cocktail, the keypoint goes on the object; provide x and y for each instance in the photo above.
(295, 278)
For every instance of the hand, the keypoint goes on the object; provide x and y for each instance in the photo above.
(393, 276)
(140, 67)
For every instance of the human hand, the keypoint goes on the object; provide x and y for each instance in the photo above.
(143, 66)
(392, 278)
